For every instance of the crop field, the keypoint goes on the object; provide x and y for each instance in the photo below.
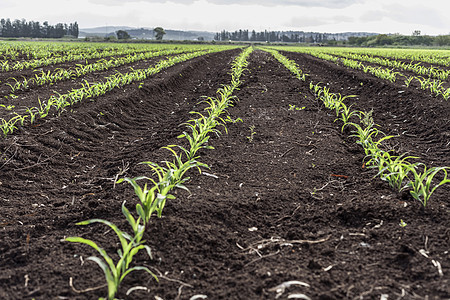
(223, 172)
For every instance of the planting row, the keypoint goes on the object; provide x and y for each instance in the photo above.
(437, 86)
(435, 57)
(158, 188)
(397, 170)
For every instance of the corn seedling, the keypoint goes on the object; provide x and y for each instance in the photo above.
(436, 87)
(446, 94)
(9, 126)
(177, 168)
(151, 198)
(252, 133)
(345, 114)
(44, 108)
(21, 118)
(199, 137)
(7, 107)
(364, 136)
(14, 87)
(393, 169)
(421, 183)
(32, 113)
(408, 80)
(293, 107)
(115, 273)
(228, 119)
(424, 82)
(366, 118)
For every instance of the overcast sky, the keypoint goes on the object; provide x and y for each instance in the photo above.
(382, 16)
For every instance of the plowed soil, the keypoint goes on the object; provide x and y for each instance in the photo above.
(288, 211)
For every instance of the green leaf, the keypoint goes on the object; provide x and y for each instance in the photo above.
(129, 217)
(138, 268)
(92, 244)
(110, 280)
(140, 211)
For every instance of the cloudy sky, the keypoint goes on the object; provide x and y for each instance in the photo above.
(382, 16)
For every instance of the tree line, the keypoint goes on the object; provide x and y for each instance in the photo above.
(270, 36)
(32, 29)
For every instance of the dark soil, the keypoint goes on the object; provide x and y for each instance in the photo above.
(292, 203)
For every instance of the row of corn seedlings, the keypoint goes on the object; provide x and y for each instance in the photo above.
(398, 171)
(43, 60)
(157, 189)
(410, 66)
(45, 54)
(60, 101)
(431, 56)
(80, 70)
(13, 50)
(379, 72)
(435, 86)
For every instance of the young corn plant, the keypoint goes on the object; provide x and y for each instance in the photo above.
(32, 112)
(345, 114)
(252, 133)
(115, 273)
(408, 80)
(177, 167)
(424, 82)
(365, 134)
(151, 197)
(393, 169)
(436, 87)
(9, 126)
(198, 139)
(15, 86)
(421, 182)
(446, 94)
(339, 102)
(7, 107)
(44, 107)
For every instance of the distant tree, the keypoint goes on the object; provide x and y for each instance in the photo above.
(383, 39)
(122, 35)
(73, 30)
(416, 33)
(224, 35)
(45, 29)
(245, 35)
(285, 38)
(36, 29)
(159, 33)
